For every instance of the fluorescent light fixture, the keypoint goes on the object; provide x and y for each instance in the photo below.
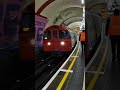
(84, 11)
(82, 1)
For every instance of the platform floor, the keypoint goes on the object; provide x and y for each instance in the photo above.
(112, 81)
(106, 78)
(73, 76)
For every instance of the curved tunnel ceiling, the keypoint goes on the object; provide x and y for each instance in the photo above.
(74, 25)
(60, 10)
(72, 20)
(91, 3)
(99, 7)
(56, 6)
(69, 14)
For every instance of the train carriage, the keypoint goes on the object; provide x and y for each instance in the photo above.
(58, 39)
(27, 35)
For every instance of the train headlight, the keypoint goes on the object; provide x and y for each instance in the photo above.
(62, 43)
(48, 43)
(32, 41)
(45, 38)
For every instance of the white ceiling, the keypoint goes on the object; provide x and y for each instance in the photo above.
(68, 11)
(60, 10)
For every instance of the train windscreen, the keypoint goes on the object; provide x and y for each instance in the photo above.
(55, 34)
(64, 34)
(47, 35)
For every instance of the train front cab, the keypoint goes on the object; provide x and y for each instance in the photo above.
(57, 41)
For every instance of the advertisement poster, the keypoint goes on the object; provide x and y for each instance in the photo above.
(40, 23)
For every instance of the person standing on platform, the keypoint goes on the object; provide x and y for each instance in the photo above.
(82, 39)
(113, 31)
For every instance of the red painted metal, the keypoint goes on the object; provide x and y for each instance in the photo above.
(56, 43)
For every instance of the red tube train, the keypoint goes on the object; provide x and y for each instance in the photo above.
(27, 35)
(58, 39)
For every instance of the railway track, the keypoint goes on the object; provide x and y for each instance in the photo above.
(43, 75)
(44, 69)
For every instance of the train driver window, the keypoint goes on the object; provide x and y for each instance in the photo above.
(55, 34)
(64, 34)
(47, 35)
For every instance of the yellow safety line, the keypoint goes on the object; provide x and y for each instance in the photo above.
(67, 73)
(94, 79)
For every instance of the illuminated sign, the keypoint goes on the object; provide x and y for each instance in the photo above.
(26, 29)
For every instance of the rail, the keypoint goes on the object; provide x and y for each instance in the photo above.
(60, 69)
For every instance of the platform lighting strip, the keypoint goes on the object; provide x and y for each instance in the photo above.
(54, 76)
(82, 1)
(84, 82)
(83, 11)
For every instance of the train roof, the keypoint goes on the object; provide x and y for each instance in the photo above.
(55, 27)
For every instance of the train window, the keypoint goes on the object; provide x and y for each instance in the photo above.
(47, 35)
(55, 34)
(64, 34)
